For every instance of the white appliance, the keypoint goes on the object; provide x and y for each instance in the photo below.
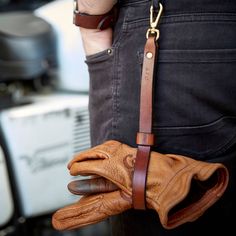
(72, 72)
(42, 138)
(6, 202)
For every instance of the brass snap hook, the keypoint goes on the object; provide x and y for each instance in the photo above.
(153, 23)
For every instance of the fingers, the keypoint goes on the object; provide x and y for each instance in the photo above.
(91, 186)
(90, 210)
(85, 168)
(90, 154)
(103, 151)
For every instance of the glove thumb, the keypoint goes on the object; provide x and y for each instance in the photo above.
(90, 210)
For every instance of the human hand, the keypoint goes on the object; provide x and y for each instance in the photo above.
(95, 7)
(95, 40)
(172, 180)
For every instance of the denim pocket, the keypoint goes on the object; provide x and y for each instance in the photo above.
(202, 142)
(116, 38)
(103, 68)
(194, 101)
(195, 83)
(100, 95)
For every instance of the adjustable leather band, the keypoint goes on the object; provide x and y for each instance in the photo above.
(145, 138)
(95, 21)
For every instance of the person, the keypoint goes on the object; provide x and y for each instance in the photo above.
(194, 99)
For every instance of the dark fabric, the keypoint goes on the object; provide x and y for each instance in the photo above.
(155, 3)
(194, 103)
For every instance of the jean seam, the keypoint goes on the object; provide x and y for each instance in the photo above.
(114, 94)
(116, 81)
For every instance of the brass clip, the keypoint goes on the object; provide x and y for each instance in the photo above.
(153, 23)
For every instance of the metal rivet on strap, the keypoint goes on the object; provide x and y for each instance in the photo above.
(149, 55)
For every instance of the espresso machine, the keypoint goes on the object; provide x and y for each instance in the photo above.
(6, 202)
(39, 139)
(41, 126)
(44, 118)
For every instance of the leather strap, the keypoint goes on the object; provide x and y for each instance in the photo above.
(145, 138)
(95, 21)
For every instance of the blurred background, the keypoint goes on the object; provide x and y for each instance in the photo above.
(44, 116)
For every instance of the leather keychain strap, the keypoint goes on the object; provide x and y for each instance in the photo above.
(145, 137)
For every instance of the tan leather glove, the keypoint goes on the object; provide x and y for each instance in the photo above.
(179, 188)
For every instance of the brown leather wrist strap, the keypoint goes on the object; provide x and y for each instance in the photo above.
(101, 22)
(145, 138)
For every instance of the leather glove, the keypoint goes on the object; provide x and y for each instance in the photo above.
(178, 188)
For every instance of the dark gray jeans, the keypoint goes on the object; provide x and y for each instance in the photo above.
(194, 102)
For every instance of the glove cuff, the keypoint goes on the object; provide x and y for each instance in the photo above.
(186, 202)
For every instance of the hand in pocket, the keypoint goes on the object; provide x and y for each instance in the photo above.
(95, 40)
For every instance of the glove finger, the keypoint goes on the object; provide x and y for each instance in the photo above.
(91, 186)
(103, 151)
(90, 210)
(90, 154)
(86, 168)
(106, 170)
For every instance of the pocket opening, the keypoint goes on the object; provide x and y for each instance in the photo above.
(201, 142)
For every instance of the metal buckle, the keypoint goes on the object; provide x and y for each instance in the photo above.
(75, 6)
